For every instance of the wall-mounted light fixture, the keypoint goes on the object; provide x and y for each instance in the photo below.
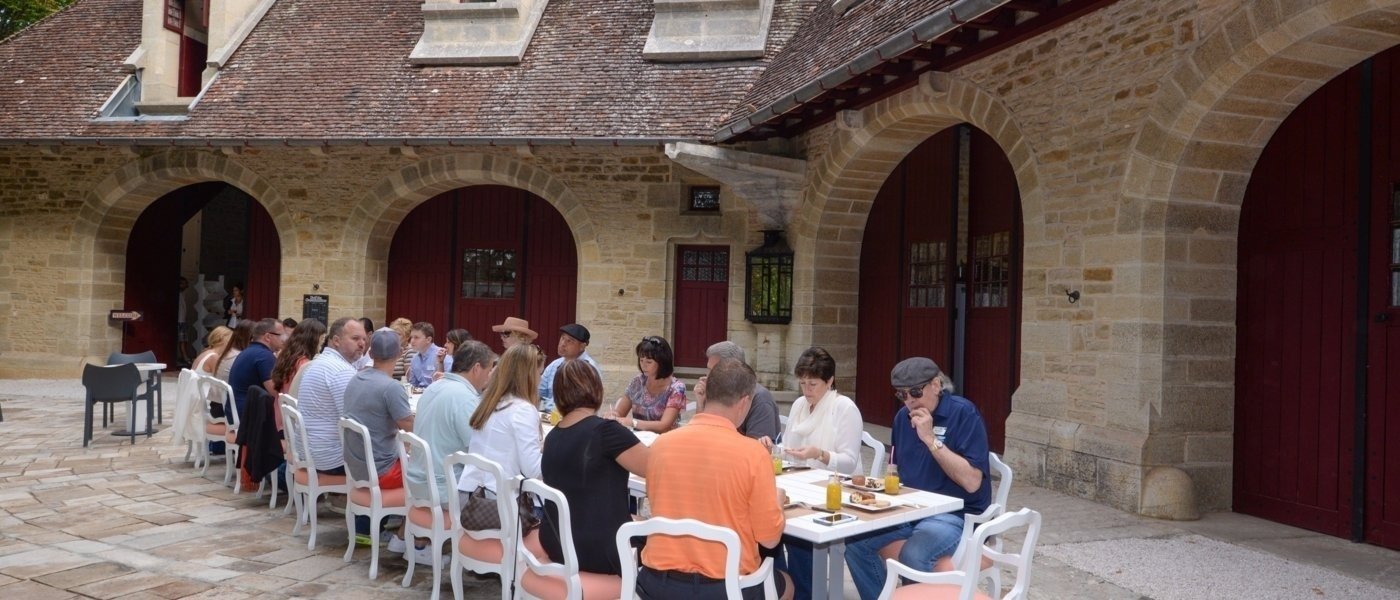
(768, 281)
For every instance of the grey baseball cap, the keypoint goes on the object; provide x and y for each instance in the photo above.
(384, 345)
(912, 372)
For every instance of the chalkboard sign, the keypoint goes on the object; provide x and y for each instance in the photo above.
(704, 198)
(316, 306)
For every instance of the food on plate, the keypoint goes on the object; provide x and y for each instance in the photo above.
(867, 499)
(858, 480)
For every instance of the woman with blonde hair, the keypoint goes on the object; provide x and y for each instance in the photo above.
(402, 327)
(217, 340)
(506, 425)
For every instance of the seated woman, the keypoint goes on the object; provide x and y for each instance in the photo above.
(654, 399)
(824, 429)
(588, 458)
(207, 363)
(242, 336)
(455, 339)
(506, 424)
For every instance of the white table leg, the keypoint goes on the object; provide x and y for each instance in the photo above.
(819, 575)
(836, 570)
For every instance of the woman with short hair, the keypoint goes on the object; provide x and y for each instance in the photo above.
(654, 399)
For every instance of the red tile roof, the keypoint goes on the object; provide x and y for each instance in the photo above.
(319, 69)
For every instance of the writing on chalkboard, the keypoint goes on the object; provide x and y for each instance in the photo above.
(316, 306)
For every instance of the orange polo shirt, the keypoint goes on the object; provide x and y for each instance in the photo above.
(709, 472)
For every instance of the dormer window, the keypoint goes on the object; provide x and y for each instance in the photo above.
(476, 32)
(708, 30)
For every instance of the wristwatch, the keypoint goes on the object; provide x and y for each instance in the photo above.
(937, 444)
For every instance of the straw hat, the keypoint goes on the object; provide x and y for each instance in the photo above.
(520, 326)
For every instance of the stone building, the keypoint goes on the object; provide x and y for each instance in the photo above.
(1156, 241)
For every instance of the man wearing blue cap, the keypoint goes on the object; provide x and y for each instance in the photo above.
(940, 445)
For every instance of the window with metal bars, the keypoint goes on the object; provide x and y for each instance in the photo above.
(991, 270)
(928, 275)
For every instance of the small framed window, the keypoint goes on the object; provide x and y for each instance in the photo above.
(991, 270)
(703, 199)
(175, 15)
(928, 275)
(488, 273)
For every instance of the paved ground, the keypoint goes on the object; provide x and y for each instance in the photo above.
(122, 521)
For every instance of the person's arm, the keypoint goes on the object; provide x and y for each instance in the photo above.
(956, 466)
(635, 459)
(764, 507)
(624, 447)
(622, 409)
(399, 408)
(666, 423)
(763, 418)
(265, 370)
(845, 457)
(526, 429)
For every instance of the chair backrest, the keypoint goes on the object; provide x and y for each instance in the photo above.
(505, 489)
(211, 386)
(117, 358)
(1020, 561)
(877, 467)
(1002, 492)
(298, 457)
(286, 400)
(111, 384)
(359, 456)
(416, 456)
(677, 527)
(569, 570)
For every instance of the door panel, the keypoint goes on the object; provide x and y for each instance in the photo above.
(551, 273)
(420, 264)
(877, 348)
(1383, 383)
(702, 301)
(264, 264)
(993, 305)
(194, 56)
(1295, 365)
(490, 221)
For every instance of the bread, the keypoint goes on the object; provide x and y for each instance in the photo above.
(858, 480)
(862, 498)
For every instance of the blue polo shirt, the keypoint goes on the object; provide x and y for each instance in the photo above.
(959, 426)
(252, 367)
(421, 368)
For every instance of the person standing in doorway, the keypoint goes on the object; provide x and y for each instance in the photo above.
(184, 332)
(233, 305)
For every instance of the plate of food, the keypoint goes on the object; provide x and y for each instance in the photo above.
(863, 483)
(868, 502)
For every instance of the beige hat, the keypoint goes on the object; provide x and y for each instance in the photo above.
(520, 326)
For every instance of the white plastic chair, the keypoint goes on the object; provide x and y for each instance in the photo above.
(962, 583)
(219, 429)
(1000, 495)
(284, 401)
(540, 581)
(484, 551)
(426, 516)
(365, 497)
(877, 467)
(307, 485)
(733, 582)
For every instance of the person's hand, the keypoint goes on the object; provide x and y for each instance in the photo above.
(922, 422)
(700, 388)
(766, 441)
(804, 452)
(437, 375)
(782, 497)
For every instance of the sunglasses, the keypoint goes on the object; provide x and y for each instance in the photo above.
(913, 392)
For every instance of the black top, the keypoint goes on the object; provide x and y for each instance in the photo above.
(581, 461)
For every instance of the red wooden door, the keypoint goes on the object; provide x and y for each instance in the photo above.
(907, 267)
(264, 264)
(153, 271)
(421, 277)
(194, 56)
(702, 301)
(1382, 522)
(471, 257)
(1295, 358)
(993, 300)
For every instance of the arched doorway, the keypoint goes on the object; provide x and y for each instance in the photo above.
(1317, 376)
(940, 275)
(211, 232)
(473, 256)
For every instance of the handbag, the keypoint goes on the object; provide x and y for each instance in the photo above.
(479, 513)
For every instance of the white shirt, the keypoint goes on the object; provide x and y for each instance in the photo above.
(841, 428)
(322, 403)
(511, 437)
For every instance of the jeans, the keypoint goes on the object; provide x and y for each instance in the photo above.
(799, 564)
(926, 541)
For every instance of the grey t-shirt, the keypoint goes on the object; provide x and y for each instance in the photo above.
(379, 402)
(763, 415)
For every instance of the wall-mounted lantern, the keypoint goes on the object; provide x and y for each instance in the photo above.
(768, 281)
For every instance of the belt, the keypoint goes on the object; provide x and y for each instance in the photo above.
(683, 576)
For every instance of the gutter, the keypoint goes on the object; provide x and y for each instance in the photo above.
(391, 142)
(926, 30)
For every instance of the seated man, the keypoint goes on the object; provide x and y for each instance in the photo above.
(425, 359)
(708, 471)
(379, 402)
(940, 446)
(445, 412)
(762, 422)
(573, 345)
(322, 393)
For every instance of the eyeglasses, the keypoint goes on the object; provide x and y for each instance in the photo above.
(505, 334)
(913, 392)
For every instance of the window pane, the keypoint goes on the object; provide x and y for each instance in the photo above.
(488, 273)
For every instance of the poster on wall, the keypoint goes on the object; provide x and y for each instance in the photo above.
(175, 15)
(316, 306)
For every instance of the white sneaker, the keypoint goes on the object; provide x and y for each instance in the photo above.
(396, 544)
(424, 555)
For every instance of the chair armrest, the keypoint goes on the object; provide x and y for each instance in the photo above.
(970, 521)
(895, 569)
(764, 572)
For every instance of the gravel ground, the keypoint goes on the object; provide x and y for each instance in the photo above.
(1191, 567)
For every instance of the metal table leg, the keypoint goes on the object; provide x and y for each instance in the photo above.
(819, 574)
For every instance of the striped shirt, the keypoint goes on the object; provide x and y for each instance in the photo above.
(322, 403)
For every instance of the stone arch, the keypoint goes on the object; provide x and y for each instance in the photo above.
(103, 225)
(1185, 180)
(376, 217)
(865, 148)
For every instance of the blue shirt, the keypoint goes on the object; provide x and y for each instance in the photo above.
(252, 367)
(958, 424)
(547, 379)
(422, 367)
(444, 421)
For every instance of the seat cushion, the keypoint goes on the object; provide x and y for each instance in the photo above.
(932, 591)
(487, 550)
(595, 585)
(423, 517)
(394, 497)
(215, 428)
(321, 478)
